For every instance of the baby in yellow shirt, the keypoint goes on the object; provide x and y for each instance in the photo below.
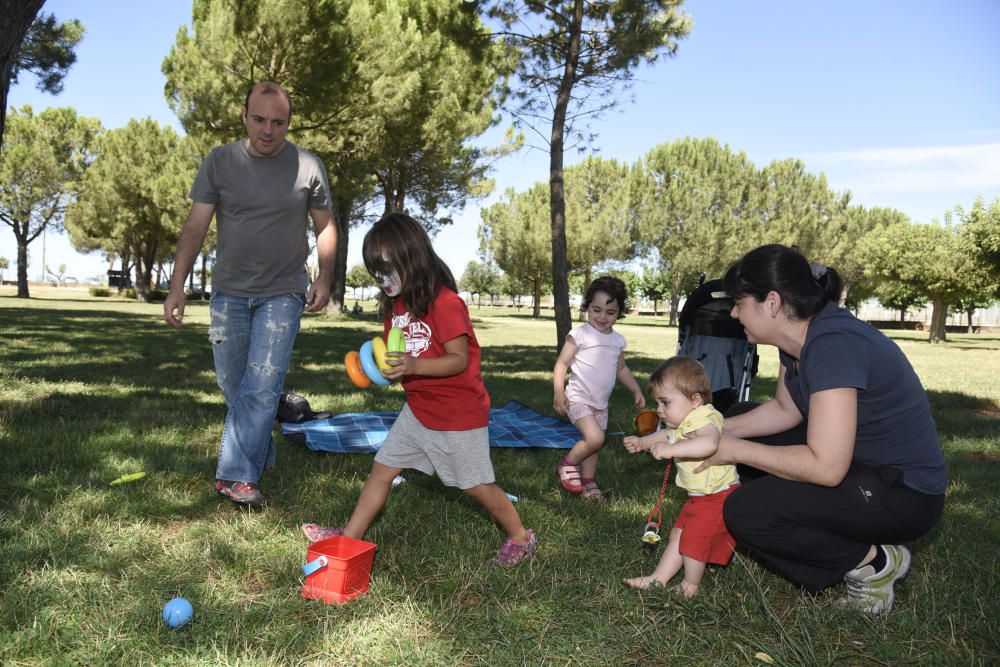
(683, 394)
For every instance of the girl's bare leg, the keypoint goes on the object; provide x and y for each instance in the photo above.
(372, 499)
(496, 502)
(593, 440)
(588, 467)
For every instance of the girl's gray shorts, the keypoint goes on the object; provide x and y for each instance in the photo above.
(459, 458)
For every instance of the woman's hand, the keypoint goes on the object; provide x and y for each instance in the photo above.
(722, 456)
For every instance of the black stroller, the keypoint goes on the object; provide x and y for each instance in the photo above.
(708, 333)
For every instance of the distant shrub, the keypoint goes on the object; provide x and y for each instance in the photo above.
(100, 291)
(157, 295)
(129, 293)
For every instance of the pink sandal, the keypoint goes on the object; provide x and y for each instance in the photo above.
(315, 532)
(569, 476)
(511, 553)
(592, 492)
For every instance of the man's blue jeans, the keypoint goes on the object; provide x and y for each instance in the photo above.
(252, 341)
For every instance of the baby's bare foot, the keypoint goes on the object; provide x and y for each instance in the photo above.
(684, 589)
(643, 583)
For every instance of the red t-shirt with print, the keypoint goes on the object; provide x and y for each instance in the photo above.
(454, 403)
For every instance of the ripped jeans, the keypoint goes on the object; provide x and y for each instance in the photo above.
(252, 341)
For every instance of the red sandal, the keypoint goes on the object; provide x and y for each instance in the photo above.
(569, 476)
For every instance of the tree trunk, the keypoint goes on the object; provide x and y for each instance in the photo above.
(126, 259)
(560, 284)
(969, 313)
(675, 299)
(204, 274)
(22, 270)
(394, 194)
(588, 277)
(338, 282)
(144, 273)
(939, 320)
(536, 312)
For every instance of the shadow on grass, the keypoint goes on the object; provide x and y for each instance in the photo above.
(88, 395)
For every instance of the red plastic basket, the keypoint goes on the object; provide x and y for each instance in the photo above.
(338, 569)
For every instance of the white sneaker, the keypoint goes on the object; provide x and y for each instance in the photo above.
(870, 591)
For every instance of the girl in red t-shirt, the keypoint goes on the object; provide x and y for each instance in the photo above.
(443, 427)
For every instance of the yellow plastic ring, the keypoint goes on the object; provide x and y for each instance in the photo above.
(378, 352)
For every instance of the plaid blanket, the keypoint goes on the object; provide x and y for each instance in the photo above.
(513, 425)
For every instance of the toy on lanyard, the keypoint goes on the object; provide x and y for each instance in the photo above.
(651, 534)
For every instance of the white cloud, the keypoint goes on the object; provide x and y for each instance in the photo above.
(921, 169)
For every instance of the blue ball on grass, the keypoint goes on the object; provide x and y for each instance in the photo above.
(177, 612)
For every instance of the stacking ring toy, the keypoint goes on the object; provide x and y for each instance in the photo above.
(369, 365)
(378, 352)
(352, 362)
(395, 341)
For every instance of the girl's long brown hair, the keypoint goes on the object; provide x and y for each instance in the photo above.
(399, 242)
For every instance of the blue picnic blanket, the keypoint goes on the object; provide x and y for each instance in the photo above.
(513, 425)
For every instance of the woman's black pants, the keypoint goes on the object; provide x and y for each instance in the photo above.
(811, 534)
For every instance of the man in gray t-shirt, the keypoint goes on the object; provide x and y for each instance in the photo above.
(261, 191)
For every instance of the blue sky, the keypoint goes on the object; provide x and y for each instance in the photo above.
(896, 101)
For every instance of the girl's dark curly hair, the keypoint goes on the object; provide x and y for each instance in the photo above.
(399, 242)
(613, 287)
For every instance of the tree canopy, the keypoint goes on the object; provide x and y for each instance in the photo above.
(388, 94)
(45, 157)
(35, 44)
(480, 278)
(983, 223)
(134, 197)
(694, 207)
(358, 276)
(933, 260)
(573, 58)
(599, 217)
(514, 235)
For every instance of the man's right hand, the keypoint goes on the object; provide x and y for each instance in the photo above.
(173, 308)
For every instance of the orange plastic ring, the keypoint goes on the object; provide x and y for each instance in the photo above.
(352, 362)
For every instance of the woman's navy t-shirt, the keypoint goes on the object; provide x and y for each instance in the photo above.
(895, 427)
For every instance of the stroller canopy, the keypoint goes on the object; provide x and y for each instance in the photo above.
(708, 333)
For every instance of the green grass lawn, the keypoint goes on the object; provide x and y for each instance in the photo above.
(91, 389)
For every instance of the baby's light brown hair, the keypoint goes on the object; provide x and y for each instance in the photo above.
(686, 374)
